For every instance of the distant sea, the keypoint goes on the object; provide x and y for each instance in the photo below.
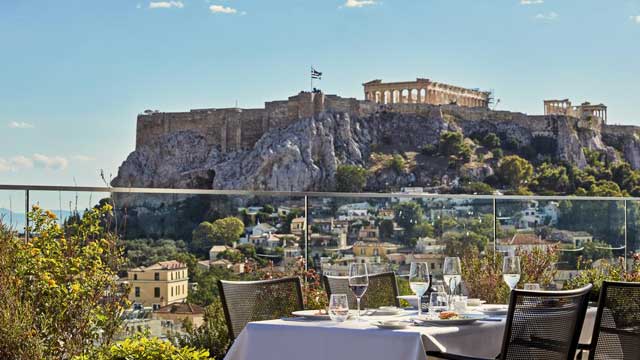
(16, 220)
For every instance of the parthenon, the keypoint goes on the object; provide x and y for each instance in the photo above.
(584, 110)
(424, 91)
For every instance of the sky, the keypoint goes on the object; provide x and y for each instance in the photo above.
(74, 74)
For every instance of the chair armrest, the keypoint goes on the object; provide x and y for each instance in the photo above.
(584, 346)
(447, 356)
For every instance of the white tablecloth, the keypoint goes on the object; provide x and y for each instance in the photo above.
(290, 339)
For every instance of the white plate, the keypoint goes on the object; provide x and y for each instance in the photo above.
(391, 325)
(465, 319)
(311, 315)
(384, 311)
(493, 310)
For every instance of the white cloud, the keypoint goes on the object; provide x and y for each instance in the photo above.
(83, 158)
(359, 3)
(21, 162)
(20, 125)
(531, 2)
(53, 162)
(166, 4)
(547, 17)
(223, 9)
(636, 19)
(50, 162)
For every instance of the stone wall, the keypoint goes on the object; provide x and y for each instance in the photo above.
(236, 129)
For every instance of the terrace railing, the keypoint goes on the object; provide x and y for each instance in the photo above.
(385, 229)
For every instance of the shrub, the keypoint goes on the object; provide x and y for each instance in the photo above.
(605, 272)
(211, 335)
(491, 140)
(59, 293)
(397, 163)
(141, 347)
(350, 178)
(497, 153)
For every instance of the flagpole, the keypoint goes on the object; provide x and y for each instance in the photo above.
(311, 74)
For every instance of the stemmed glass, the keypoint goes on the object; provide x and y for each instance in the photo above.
(358, 282)
(511, 271)
(452, 273)
(419, 281)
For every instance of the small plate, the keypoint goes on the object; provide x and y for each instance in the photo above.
(391, 325)
(385, 311)
(493, 310)
(312, 315)
(464, 319)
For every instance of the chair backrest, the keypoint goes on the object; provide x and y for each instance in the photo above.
(544, 324)
(246, 301)
(382, 290)
(616, 331)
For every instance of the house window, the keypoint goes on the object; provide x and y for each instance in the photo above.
(433, 266)
(375, 252)
(156, 276)
(172, 291)
(171, 275)
(135, 276)
(156, 292)
(361, 251)
(182, 289)
(137, 291)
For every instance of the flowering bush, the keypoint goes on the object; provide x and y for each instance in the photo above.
(604, 272)
(140, 347)
(482, 274)
(59, 292)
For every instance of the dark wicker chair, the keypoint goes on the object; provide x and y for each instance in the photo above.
(616, 331)
(246, 301)
(382, 290)
(541, 325)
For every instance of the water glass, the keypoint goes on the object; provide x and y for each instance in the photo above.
(338, 307)
(437, 303)
(452, 273)
(459, 304)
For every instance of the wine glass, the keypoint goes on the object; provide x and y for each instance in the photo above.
(419, 281)
(452, 273)
(358, 282)
(338, 307)
(511, 271)
(437, 303)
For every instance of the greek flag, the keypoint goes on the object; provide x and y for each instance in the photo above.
(315, 74)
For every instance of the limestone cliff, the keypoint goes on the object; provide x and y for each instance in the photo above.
(305, 154)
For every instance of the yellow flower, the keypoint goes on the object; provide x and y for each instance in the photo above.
(107, 207)
(35, 207)
(50, 215)
(75, 287)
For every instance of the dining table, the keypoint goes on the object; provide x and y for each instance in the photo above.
(299, 338)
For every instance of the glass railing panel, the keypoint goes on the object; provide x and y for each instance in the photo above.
(576, 234)
(633, 236)
(12, 209)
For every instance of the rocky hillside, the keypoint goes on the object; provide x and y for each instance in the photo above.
(306, 154)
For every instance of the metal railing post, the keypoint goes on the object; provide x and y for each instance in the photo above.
(26, 214)
(626, 244)
(495, 229)
(306, 234)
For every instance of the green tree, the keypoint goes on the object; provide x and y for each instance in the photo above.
(350, 178)
(515, 171)
(202, 238)
(451, 143)
(491, 140)
(551, 178)
(386, 229)
(141, 347)
(605, 188)
(211, 335)
(408, 215)
(227, 230)
(478, 188)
